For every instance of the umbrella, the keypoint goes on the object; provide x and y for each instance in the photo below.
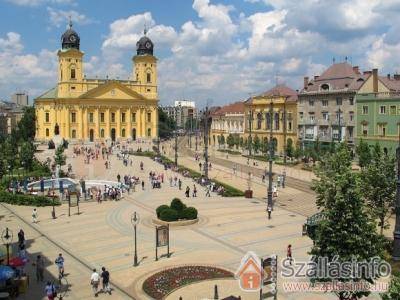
(17, 262)
(6, 272)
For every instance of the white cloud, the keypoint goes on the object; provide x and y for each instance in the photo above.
(24, 71)
(58, 17)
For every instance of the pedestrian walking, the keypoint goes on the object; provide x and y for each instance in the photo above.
(200, 165)
(50, 291)
(105, 276)
(289, 253)
(119, 178)
(60, 264)
(21, 237)
(187, 192)
(263, 178)
(94, 281)
(208, 191)
(39, 264)
(210, 166)
(34, 215)
(269, 210)
(180, 184)
(143, 185)
(170, 181)
(194, 191)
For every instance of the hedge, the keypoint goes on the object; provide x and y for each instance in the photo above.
(160, 209)
(169, 215)
(189, 213)
(176, 204)
(229, 191)
(27, 200)
(232, 152)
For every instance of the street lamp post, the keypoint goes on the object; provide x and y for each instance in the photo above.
(271, 153)
(7, 237)
(53, 212)
(135, 219)
(284, 133)
(206, 142)
(396, 233)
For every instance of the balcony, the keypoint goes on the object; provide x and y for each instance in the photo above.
(307, 121)
(323, 122)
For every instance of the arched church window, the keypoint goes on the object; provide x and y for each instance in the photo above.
(148, 77)
(73, 75)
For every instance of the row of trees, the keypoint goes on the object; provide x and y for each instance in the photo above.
(17, 148)
(353, 204)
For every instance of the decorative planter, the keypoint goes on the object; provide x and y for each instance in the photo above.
(175, 223)
(163, 283)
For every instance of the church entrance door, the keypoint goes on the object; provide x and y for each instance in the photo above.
(113, 134)
(91, 135)
(134, 134)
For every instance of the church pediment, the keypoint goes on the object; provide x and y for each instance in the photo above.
(113, 90)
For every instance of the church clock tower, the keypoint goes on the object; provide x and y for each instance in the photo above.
(145, 67)
(70, 65)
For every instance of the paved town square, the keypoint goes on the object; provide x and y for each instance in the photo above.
(199, 149)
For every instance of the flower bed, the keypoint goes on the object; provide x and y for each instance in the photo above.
(163, 283)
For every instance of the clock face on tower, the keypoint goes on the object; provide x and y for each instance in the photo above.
(148, 45)
(72, 38)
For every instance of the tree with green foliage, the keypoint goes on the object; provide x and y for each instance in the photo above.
(230, 141)
(26, 155)
(9, 152)
(364, 154)
(27, 124)
(222, 140)
(166, 124)
(289, 148)
(393, 291)
(236, 140)
(264, 145)
(256, 144)
(59, 157)
(379, 180)
(347, 232)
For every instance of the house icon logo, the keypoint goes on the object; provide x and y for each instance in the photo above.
(249, 272)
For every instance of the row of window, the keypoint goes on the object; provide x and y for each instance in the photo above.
(382, 110)
(102, 133)
(325, 103)
(325, 116)
(102, 117)
(381, 128)
(276, 120)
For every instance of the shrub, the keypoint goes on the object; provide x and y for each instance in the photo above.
(169, 215)
(160, 209)
(177, 205)
(189, 213)
(28, 200)
(229, 191)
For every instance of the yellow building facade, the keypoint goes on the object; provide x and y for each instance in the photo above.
(94, 110)
(258, 118)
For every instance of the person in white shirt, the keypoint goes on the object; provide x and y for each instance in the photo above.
(94, 281)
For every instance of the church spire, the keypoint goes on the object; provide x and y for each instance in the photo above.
(70, 22)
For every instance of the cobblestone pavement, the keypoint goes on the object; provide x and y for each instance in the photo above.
(102, 235)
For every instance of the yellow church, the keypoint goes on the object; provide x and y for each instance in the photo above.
(92, 110)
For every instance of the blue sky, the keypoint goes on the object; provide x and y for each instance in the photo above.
(209, 50)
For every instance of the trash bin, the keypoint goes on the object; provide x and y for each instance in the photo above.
(248, 194)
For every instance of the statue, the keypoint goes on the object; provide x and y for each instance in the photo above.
(56, 129)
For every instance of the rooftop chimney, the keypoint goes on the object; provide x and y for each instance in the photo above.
(316, 77)
(396, 76)
(375, 80)
(367, 72)
(388, 76)
(356, 69)
(305, 82)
